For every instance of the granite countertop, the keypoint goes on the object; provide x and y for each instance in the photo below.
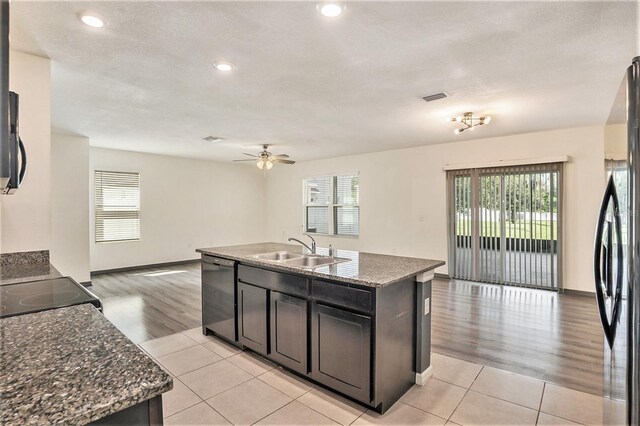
(26, 266)
(368, 269)
(18, 273)
(71, 366)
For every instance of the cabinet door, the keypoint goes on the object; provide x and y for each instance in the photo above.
(289, 331)
(252, 317)
(341, 350)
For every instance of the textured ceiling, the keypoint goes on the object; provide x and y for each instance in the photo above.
(319, 87)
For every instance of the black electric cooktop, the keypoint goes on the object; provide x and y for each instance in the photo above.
(35, 296)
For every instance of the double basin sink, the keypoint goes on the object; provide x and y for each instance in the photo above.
(305, 261)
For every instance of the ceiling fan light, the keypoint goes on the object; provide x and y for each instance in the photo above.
(487, 119)
(269, 164)
(260, 164)
(458, 131)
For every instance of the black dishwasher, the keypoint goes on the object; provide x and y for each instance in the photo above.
(218, 297)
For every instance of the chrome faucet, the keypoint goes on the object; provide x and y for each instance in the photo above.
(313, 243)
(312, 249)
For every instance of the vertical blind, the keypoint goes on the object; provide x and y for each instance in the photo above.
(117, 205)
(505, 223)
(332, 205)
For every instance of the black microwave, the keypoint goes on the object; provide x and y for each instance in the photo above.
(13, 158)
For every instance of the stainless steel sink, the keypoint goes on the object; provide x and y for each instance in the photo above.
(312, 261)
(278, 256)
(308, 261)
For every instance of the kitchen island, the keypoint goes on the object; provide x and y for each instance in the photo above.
(72, 366)
(359, 324)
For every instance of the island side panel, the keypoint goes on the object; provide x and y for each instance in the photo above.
(394, 342)
(423, 327)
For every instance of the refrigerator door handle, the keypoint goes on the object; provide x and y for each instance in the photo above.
(23, 161)
(603, 265)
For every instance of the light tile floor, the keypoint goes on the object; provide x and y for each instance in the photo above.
(217, 384)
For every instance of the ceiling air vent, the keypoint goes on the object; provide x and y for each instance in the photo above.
(212, 139)
(435, 97)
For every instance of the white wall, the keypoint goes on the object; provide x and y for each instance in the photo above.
(26, 215)
(615, 142)
(70, 205)
(185, 204)
(403, 194)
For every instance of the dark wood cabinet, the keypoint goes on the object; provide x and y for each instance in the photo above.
(289, 331)
(341, 350)
(252, 317)
(354, 339)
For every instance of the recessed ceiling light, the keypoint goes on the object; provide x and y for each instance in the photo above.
(91, 20)
(223, 66)
(330, 9)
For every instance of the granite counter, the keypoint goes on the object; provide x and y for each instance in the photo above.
(26, 266)
(368, 269)
(71, 366)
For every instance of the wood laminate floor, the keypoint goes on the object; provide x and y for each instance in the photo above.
(550, 336)
(542, 334)
(153, 302)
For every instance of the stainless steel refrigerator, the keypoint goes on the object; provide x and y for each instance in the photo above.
(617, 256)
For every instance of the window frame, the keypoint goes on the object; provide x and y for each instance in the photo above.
(95, 206)
(332, 205)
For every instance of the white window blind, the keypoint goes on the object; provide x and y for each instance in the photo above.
(332, 205)
(117, 198)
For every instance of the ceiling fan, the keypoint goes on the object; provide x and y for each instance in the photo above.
(265, 159)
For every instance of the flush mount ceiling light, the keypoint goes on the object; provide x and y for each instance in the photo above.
(91, 20)
(224, 66)
(330, 9)
(469, 122)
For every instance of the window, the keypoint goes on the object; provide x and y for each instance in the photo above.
(117, 206)
(332, 205)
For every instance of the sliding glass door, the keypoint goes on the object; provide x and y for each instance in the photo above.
(504, 225)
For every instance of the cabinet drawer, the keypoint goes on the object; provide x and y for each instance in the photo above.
(284, 283)
(342, 295)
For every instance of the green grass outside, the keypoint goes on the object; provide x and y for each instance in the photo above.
(541, 229)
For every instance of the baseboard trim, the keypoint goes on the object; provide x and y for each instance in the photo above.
(151, 265)
(582, 293)
(86, 284)
(442, 276)
(421, 378)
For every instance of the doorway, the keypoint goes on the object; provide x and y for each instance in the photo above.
(505, 225)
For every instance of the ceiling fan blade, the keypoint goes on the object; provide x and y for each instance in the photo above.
(281, 156)
(283, 161)
(245, 160)
(250, 155)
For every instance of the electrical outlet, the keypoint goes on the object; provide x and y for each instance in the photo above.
(426, 306)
